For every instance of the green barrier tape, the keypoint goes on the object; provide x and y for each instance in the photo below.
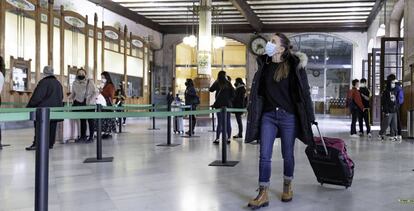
(21, 110)
(12, 103)
(112, 115)
(137, 105)
(11, 117)
(241, 110)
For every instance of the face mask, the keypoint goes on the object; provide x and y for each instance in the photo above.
(81, 77)
(362, 85)
(103, 80)
(392, 85)
(236, 84)
(270, 49)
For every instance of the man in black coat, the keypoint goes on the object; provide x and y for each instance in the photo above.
(48, 93)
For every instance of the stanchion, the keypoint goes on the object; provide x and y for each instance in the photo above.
(190, 133)
(153, 119)
(120, 125)
(42, 159)
(213, 121)
(168, 144)
(2, 145)
(99, 158)
(224, 162)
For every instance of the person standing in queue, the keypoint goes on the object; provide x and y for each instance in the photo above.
(366, 101)
(239, 102)
(83, 93)
(48, 93)
(400, 101)
(108, 92)
(224, 98)
(356, 107)
(120, 99)
(280, 105)
(389, 108)
(191, 99)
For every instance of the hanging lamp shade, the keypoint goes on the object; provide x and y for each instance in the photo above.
(381, 30)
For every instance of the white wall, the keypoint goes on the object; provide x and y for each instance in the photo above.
(85, 7)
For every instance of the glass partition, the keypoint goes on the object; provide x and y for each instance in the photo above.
(329, 70)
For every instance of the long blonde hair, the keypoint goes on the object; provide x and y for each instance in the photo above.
(282, 70)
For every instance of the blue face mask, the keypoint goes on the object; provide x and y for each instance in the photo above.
(270, 49)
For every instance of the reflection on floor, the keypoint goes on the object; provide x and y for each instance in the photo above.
(146, 177)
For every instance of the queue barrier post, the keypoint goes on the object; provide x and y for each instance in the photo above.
(120, 122)
(99, 158)
(224, 162)
(213, 122)
(42, 119)
(153, 118)
(168, 144)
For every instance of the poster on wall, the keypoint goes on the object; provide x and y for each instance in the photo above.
(20, 79)
(134, 86)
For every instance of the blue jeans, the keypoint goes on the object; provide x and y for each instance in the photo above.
(276, 123)
(219, 131)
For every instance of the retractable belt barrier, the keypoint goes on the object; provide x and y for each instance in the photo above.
(42, 116)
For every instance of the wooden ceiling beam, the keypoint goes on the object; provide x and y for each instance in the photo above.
(249, 14)
(271, 28)
(125, 12)
(374, 12)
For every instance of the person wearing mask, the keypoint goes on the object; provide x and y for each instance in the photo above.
(48, 93)
(366, 101)
(108, 92)
(120, 99)
(239, 102)
(83, 93)
(2, 74)
(280, 105)
(356, 107)
(191, 98)
(400, 100)
(224, 97)
(389, 106)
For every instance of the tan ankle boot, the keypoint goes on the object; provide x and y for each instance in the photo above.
(262, 199)
(287, 194)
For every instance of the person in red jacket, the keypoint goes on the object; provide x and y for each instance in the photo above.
(355, 106)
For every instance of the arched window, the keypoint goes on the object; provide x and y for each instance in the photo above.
(329, 69)
(402, 27)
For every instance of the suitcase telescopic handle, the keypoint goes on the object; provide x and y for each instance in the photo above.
(323, 141)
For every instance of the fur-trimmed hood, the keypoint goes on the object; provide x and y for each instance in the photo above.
(303, 59)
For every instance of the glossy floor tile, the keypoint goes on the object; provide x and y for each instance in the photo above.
(144, 176)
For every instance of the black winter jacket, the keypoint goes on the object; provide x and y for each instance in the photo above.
(238, 101)
(190, 96)
(48, 93)
(389, 102)
(224, 96)
(300, 95)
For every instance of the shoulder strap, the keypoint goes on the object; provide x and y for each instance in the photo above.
(87, 88)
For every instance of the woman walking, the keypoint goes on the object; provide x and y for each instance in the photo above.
(83, 93)
(239, 102)
(224, 97)
(279, 106)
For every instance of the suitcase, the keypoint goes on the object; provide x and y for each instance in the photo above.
(178, 124)
(330, 161)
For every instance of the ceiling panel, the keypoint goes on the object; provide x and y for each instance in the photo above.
(337, 14)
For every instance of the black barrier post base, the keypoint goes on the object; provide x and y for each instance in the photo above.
(96, 160)
(168, 144)
(224, 162)
(4, 145)
(99, 158)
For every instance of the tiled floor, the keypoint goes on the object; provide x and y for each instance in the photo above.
(146, 177)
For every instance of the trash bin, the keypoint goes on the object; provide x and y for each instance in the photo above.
(410, 123)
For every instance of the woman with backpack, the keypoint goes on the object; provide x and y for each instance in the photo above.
(224, 98)
(280, 105)
(239, 102)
